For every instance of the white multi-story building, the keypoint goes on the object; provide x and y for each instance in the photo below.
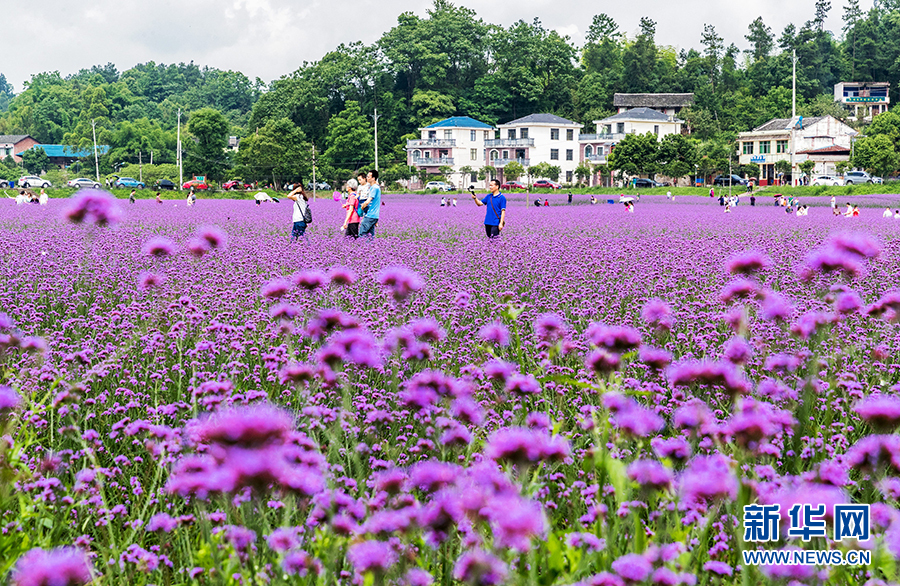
(823, 139)
(869, 97)
(534, 139)
(668, 104)
(455, 142)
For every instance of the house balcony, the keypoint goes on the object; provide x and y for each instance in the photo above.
(595, 159)
(439, 143)
(500, 163)
(509, 142)
(432, 161)
(600, 137)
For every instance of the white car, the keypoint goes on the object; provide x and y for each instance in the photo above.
(857, 177)
(83, 182)
(32, 181)
(438, 185)
(830, 180)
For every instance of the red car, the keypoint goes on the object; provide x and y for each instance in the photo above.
(195, 184)
(546, 184)
(512, 185)
(234, 184)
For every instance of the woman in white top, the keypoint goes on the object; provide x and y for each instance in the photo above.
(301, 216)
(887, 213)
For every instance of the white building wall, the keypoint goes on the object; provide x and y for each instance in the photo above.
(544, 144)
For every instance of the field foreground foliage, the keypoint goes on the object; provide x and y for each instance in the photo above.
(188, 398)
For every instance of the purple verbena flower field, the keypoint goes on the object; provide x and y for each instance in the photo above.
(189, 398)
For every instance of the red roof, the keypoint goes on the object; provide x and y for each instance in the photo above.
(832, 149)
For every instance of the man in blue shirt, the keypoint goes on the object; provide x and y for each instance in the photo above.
(370, 209)
(495, 215)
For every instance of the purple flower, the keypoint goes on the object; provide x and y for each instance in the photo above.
(650, 474)
(588, 541)
(775, 307)
(890, 301)
(655, 357)
(738, 289)
(550, 328)
(310, 279)
(158, 247)
(9, 401)
(809, 323)
(748, 263)
(847, 302)
(95, 207)
(247, 427)
(150, 280)
(755, 421)
(197, 247)
(616, 339)
(353, 346)
(300, 563)
(162, 522)
(516, 521)
(283, 539)
(214, 237)
(738, 351)
(523, 385)
(400, 282)
(240, 538)
(602, 362)
(417, 577)
(275, 288)
(881, 411)
(721, 374)
(372, 556)
(495, 333)
(829, 260)
(341, 276)
(708, 478)
(656, 313)
(480, 568)
(524, 446)
(63, 566)
(720, 568)
(875, 453)
(675, 448)
(432, 476)
(633, 567)
(638, 421)
(858, 244)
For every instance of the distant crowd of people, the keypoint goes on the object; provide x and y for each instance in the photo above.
(27, 196)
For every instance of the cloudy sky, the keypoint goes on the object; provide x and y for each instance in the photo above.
(269, 38)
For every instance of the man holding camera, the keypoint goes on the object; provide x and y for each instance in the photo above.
(495, 215)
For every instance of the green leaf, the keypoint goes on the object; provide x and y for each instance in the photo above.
(616, 470)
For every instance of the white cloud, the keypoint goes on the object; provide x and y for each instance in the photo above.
(271, 38)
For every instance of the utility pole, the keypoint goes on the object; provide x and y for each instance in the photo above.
(151, 157)
(793, 112)
(314, 171)
(96, 161)
(178, 156)
(375, 117)
(140, 166)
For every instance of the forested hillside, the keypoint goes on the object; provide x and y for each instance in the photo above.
(451, 62)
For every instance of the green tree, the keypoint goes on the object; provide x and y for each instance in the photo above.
(583, 171)
(513, 170)
(807, 167)
(759, 35)
(430, 106)
(205, 154)
(279, 151)
(677, 154)
(35, 160)
(751, 170)
(350, 142)
(636, 154)
(876, 154)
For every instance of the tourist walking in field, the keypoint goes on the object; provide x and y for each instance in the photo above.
(351, 220)
(190, 199)
(371, 208)
(495, 214)
(302, 215)
(546, 203)
(362, 192)
(887, 213)
(454, 202)
(43, 198)
(131, 196)
(833, 202)
(158, 197)
(443, 202)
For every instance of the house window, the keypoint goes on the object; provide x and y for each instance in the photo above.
(448, 134)
(511, 134)
(569, 174)
(417, 154)
(570, 134)
(473, 177)
(620, 127)
(765, 147)
(554, 154)
(608, 129)
(494, 155)
(781, 146)
(506, 154)
(569, 154)
(432, 134)
(748, 148)
(656, 129)
(472, 135)
(473, 154)
(426, 155)
(523, 133)
(588, 151)
(554, 134)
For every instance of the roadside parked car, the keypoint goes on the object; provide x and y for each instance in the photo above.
(165, 184)
(878, 180)
(729, 180)
(129, 182)
(438, 185)
(235, 184)
(512, 185)
(193, 183)
(83, 182)
(647, 183)
(857, 177)
(319, 185)
(32, 181)
(546, 184)
(830, 180)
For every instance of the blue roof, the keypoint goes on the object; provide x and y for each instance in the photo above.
(62, 150)
(460, 122)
